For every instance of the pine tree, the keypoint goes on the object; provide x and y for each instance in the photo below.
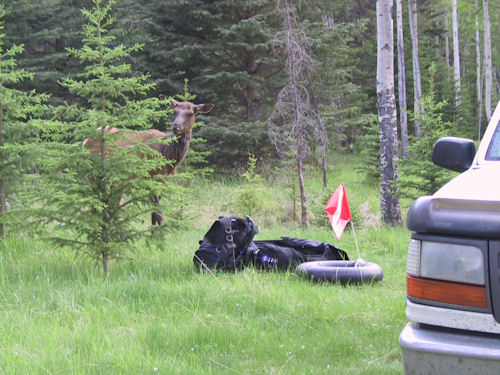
(334, 96)
(418, 175)
(20, 128)
(370, 151)
(101, 195)
(46, 28)
(226, 50)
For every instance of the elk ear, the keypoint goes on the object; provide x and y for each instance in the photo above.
(203, 108)
(173, 103)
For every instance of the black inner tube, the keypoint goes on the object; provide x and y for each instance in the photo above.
(343, 271)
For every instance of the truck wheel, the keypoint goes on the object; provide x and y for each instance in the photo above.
(343, 271)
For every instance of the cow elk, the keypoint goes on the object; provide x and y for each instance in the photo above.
(174, 152)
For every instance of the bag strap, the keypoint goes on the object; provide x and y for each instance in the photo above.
(228, 230)
(254, 229)
(228, 235)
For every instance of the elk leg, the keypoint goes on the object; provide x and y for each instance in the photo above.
(156, 218)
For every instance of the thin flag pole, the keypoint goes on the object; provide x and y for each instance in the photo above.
(355, 240)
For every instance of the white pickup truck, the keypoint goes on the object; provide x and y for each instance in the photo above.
(453, 264)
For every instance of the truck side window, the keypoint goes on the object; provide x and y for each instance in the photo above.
(494, 147)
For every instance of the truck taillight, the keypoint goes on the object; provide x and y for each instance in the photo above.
(446, 273)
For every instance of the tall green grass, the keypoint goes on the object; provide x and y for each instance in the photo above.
(156, 314)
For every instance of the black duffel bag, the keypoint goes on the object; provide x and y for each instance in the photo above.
(290, 252)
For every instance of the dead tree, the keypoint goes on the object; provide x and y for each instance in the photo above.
(295, 121)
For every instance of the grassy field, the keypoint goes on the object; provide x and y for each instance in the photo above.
(157, 314)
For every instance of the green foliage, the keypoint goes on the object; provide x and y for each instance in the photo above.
(99, 194)
(225, 49)
(228, 51)
(418, 175)
(370, 150)
(250, 198)
(320, 216)
(20, 129)
(341, 101)
(45, 28)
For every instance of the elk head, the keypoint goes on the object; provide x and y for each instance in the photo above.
(184, 115)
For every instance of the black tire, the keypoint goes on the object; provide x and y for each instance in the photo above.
(342, 271)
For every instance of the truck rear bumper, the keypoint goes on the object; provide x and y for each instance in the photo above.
(431, 351)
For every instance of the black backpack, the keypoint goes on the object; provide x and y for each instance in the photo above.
(290, 252)
(225, 244)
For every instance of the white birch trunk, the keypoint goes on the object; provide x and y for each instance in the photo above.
(456, 52)
(488, 68)
(447, 38)
(387, 113)
(403, 116)
(479, 85)
(495, 80)
(417, 83)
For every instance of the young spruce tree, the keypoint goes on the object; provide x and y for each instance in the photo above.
(19, 129)
(418, 175)
(100, 196)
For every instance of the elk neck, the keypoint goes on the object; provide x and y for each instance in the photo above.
(176, 150)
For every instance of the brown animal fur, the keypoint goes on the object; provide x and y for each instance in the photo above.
(175, 151)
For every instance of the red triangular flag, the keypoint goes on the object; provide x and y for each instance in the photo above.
(338, 211)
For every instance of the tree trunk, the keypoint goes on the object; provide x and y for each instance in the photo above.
(488, 68)
(456, 52)
(294, 192)
(497, 83)
(479, 85)
(303, 199)
(2, 208)
(323, 164)
(3, 197)
(105, 263)
(447, 38)
(403, 117)
(386, 100)
(321, 133)
(254, 110)
(417, 83)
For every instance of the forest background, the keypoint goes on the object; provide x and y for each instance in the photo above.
(231, 54)
(236, 54)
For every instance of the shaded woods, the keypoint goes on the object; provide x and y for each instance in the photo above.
(295, 82)
(232, 54)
